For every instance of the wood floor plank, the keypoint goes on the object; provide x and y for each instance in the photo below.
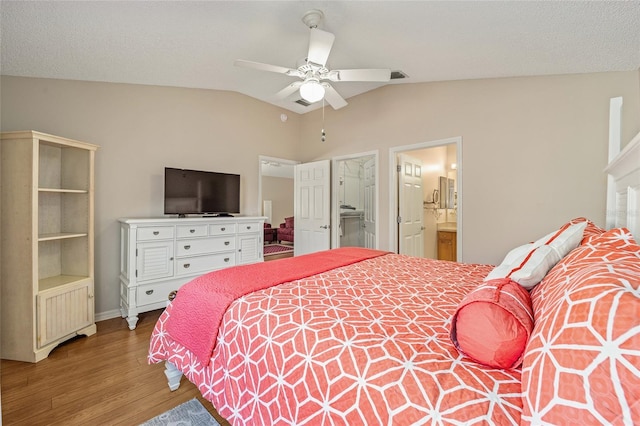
(100, 379)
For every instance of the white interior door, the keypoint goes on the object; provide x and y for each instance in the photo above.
(312, 207)
(370, 203)
(411, 218)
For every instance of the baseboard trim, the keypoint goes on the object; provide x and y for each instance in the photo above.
(101, 316)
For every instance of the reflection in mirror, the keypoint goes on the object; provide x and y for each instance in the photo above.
(444, 192)
(447, 189)
(451, 193)
(276, 189)
(355, 201)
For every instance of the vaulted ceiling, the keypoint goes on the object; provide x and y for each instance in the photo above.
(194, 44)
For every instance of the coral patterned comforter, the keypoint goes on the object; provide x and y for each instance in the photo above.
(366, 343)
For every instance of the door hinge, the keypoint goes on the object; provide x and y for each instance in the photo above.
(136, 273)
(398, 168)
(399, 220)
(136, 252)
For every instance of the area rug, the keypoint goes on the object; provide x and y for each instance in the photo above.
(270, 249)
(190, 413)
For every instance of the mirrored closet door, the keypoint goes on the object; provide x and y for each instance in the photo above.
(355, 200)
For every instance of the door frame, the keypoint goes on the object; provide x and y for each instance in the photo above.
(335, 209)
(393, 187)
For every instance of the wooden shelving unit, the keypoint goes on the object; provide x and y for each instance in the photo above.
(47, 273)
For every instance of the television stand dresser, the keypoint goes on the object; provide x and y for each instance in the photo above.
(159, 255)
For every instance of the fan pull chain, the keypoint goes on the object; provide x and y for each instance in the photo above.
(324, 135)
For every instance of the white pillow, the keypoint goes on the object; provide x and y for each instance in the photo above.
(528, 264)
(564, 241)
(518, 253)
(529, 268)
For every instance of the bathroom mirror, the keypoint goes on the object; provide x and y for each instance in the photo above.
(451, 193)
(447, 188)
(444, 193)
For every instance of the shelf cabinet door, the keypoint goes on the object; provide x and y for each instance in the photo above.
(63, 310)
(249, 249)
(154, 260)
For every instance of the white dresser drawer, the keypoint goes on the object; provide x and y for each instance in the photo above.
(186, 231)
(199, 264)
(154, 293)
(148, 233)
(222, 229)
(204, 246)
(245, 227)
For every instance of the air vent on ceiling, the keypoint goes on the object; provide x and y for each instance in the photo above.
(396, 75)
(303, 102)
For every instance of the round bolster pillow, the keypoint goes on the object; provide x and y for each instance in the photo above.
(492, 324)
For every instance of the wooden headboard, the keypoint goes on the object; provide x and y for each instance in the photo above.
(623, 198)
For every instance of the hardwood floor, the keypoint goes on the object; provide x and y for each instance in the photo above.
(278, 256)
(103, 379)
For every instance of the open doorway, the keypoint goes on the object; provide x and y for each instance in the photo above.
(432, 214)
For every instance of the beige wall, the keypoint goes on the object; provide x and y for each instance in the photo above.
(533, 148)
(140, 130)
(532, 155)
(280, 192)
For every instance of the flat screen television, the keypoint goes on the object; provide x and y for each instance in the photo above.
(200, 192)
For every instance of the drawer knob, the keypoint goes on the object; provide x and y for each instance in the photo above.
(192, 230)
(187, 247)
(156, 232)
(226, 243)
(186, 265)
(149, 292)
(223, 229)
(226, 259)
(248, 227)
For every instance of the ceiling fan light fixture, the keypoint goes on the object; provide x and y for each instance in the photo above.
(311, 90)
(313, 71)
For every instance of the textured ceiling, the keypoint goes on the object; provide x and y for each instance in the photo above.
(194, 44)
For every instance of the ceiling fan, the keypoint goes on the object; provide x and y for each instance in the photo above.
(314, 73)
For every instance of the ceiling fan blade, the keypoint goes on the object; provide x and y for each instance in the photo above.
(332, 97)
(320, 43)
(360, 75)
(284, 93)
(264, 67)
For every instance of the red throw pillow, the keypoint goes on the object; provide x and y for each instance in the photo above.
(492, 324)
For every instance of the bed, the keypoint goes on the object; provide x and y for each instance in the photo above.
(356, 336)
